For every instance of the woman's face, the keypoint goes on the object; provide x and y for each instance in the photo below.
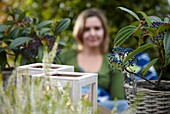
(93, 34)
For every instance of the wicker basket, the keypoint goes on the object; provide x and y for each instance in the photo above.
(147, 101)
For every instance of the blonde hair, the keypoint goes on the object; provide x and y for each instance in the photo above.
(80, 23)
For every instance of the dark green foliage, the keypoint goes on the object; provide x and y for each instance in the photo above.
(149, 32)
(27, 36)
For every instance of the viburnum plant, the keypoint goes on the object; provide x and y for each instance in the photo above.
(148, 32)
(26, 38)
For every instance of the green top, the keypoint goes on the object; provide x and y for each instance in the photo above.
(110, 81)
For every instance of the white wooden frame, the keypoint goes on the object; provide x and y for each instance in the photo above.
(31, 69)
(76, 81)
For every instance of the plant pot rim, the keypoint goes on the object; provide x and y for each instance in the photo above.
(141, 89)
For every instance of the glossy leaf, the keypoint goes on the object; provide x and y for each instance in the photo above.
(1, 36)
(124, 34)
(154, 19)
(14, 33)
(62, 25)
(44, 30)
(3, 27)
(130, 12)
(123, 31)
(40, 54)
(19, 41)
(164, 27)
(167, 20)
(3, 60)
(3, 48)
(35, 20)
(62, 42)
(146, 68)
(136, 51)
(10, 22)
(146, 18)
(166, 43)
(22, 15)
(44, 23)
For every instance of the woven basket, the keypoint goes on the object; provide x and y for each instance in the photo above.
(147, 101)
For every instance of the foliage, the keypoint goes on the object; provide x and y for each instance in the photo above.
(149, 32)
(58, 9)
(42, 98)
(39, 95)
(27, 36)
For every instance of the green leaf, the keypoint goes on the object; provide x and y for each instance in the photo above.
(14, 33)
(1, 36)
(22, 15)
(3, 27)
(167, 20)
(166, 43)
(2, 49)
(40, 54)
(146, 18)
(62, 42)
(23, 61)
(146, 69)
(154, 19)
(3, 60)
(163, 27)
(130, 12)
(19, 41)
(136, 51)
(124, 34)
(44, 30)
(35, 20)
(123, 31)
(10, 22)
(62, 25)
(44, 23)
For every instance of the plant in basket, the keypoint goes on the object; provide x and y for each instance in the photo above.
(149, 33)
(25, 38)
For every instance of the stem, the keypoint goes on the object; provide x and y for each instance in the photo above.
(140, 76)
(163, 69)
(161, 53)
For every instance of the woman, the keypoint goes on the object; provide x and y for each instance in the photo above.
(91, 34)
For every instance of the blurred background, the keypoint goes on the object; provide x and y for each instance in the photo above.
(59, 9)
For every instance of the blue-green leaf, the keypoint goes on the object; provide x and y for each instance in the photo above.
(167, 20)
(130, 12)
(3, 60)
(146, 69)
(44, 23)
(163, 27)
(146, 18)
(10, 22)
(62, 25)
(154, 19)
(44, 30)
(19, 41)
(3, 27)
(22, 15)
(40, 54)
(166, 43)
(3, 48)
(62, 42)
(136, 51)
(14, 33)
(124, 34)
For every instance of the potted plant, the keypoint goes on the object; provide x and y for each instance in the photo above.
(25, 38)
(149, 32)
(45, 98)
